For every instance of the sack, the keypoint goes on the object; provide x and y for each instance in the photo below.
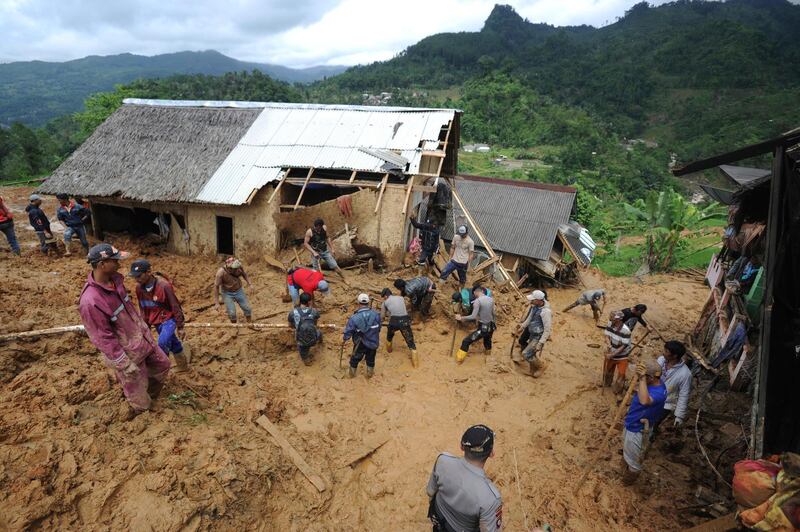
(754, 481)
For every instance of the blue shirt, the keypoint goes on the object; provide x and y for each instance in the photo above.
(71, 217)
(651, 412)
(364, 325)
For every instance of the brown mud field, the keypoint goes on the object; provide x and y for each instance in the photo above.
(70, 461)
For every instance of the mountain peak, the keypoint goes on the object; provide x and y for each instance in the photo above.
(502, 18)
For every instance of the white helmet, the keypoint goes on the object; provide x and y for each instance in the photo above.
(363, 298)
(536, 295)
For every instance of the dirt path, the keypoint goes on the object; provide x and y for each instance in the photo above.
(69, 461)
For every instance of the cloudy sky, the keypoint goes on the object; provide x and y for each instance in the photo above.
(295, 33)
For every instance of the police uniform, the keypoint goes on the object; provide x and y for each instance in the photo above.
(462, 498)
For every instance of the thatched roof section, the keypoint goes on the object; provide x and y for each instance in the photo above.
(152, 153)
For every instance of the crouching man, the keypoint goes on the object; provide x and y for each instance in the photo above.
(115, 328)
(303, 320)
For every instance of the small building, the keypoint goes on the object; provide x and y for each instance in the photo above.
(250, 177)
(528, 223)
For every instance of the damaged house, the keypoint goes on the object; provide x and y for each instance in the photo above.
(528, 225)
(250, 177)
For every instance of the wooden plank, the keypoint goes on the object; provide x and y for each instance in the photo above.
(275, 263)
(408, 193)
(380, 194)
(251, 196)
(437, 153)
(363, 450)
(480, 235)
(302, 190)
(352, 177)
(485, 264)
(298, 460)
(359, 184)
(280, 184)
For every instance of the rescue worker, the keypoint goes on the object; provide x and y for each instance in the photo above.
(119, 332)
(619, 347)
(591, 298)
(7, 227)
(633, 315)
(303, 320)
(319, 244)
(429, 239)
(462, 249)
(161, 309)
(465, 297)
(228, 289)
(39, 221)
(646, 404)
(484, 313)
(420, 291)
(462, 498)
(364, 327)
(307, 280)
(539, 325)
(72, 217)
(395, 308)
(525, 336)
(677, 377)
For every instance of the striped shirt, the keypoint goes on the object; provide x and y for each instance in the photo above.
(619, 338)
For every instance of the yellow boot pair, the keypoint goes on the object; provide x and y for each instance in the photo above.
(460, 356)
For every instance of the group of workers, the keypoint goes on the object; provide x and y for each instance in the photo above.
(461, 496)
(73, 213)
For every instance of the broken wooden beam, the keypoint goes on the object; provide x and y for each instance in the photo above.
(299, 461)
(303, 190)
(380, 194)
(280, 184)
(408, 193)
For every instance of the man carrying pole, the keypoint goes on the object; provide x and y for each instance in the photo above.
(539, 326)
(160, 309)
(119, 332)
(619, 347)
(399, 320)
(364, 327)
(303, 320)
(483, 312)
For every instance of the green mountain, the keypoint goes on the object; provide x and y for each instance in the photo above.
(693, 75)
(34, 92)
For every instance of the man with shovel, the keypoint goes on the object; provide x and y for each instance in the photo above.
(619, 348)
(538, 323)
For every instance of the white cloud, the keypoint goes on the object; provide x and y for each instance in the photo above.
(287, 32)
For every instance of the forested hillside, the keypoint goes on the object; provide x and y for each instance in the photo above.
(33, 92)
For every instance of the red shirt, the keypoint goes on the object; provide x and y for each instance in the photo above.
(305, 279)
(159, 304)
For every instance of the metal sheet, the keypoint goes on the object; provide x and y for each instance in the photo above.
(522, 220)
(276, 105)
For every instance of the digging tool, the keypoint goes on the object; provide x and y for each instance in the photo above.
(341, 353)
(453, 342)
(645, 440)
(513, 343)
(519, 490)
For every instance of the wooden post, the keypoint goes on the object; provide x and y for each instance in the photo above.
(408, 193)
(380, 194)
(353, 176)
(298, 460)
(302, 190)
(482, 237)
(280, 184)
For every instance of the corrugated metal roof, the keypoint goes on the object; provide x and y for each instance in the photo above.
(516, 218)
(275, 105)
(742, 175)
(369, 139)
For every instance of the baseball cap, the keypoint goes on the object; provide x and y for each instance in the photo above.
(105, 251)
(462, 229)
(536, 294)
(652, 368)
(363, 299)
(479, 440)
(35, 197)
(323, 286)
(617, 315)
(139, 267)
(233, 263)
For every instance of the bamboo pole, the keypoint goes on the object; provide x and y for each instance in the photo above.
(280, 184)
(302, 190)
(408, 193)
(380, 194)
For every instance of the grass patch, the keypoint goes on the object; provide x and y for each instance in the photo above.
(620, 264)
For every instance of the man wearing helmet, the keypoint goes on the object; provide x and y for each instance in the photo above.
(538, 322)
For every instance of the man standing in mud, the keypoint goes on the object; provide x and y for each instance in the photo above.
(115, 328)
(303, 319)
(228, 289)
(483, 312)
(364, 327)
(395, 308)
(461, 497)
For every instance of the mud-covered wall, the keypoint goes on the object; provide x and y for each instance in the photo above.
(254, 231)
(383, 231)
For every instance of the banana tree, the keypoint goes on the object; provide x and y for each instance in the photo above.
(667, 216)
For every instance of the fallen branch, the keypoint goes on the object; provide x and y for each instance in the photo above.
(298, 460)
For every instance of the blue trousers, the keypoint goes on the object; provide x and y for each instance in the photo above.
(8, 229)
(453, 266)
(231, 298)
(360, 353)
(167, 341)
(327, 257)
(79, 231)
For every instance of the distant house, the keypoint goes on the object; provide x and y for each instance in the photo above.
(249, 177)
(528, 222)
(480, 148)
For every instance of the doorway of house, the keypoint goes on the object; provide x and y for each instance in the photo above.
(224, 235)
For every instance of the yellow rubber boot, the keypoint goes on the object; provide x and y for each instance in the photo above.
(460, 356)
(388, 346)
(414, 358)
